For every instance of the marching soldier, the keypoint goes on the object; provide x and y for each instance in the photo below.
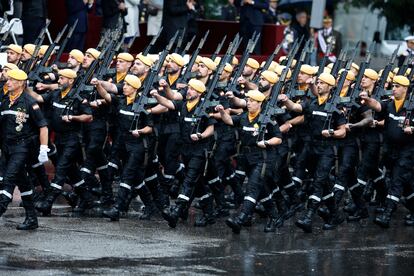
(23, 127)
(14, 53)
(322, 151)
(399, 143)
(67, 114)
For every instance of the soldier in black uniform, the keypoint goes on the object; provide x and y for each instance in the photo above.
(136, 143)
(399, 144)
(67, 114)
(23, 125)
(322, 151)
(193, 153)
(256, 159)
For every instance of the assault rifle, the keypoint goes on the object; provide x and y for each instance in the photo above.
(267, 63)
(39, 40)
(379, 91)
(65, 41)
(218, 49)
(152, 43)
(142, 100)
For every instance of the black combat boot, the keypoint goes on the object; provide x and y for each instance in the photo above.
(305, 222)
(274, 220)
(172, 213)
(4, 202)
(336, 217)
(384, 219)
(208, 213)
(86, 201)
(71, 197)
(45, 206)
(30, 222)
(119, 206)
(149, 205)
(236, 223)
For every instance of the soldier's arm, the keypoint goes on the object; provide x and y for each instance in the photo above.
(158, 109)
(236, 101)
(209, 131)
(370, 102)
(109, 86)
(298, 120)
(145, 130)
(43, 135)
(366, 121)
(162, 100)
(225, 117)
(290, 105)
(101, 90)
(340, 132)
(34, 95)
(169, 93)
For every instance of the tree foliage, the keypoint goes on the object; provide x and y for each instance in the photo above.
(399, 13)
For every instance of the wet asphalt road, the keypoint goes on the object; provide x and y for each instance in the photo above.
(66, 245)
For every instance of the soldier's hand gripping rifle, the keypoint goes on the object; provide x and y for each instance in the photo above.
(82, 81)
(232, 86)
(39, 40)
(186, 75)
(143, 99)
(65, 41)
(332, 105)
(267, 63)
(404, 67)
(352, 99)
(379, 91)
(218, 49)
(201, 111)
(152, 43)
(292, 92)
(41, 68)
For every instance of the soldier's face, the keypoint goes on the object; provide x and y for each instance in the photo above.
(3, 75)
(172, 67)
(122, 65)
(366, 82)
(72, 62)
(87, 60)
(398, 91)
(25, 55)
(322, 87)
(264, 85)
(139, 68)
(410, 44)
(225, 75)
(64, 82)
(194, 68)
(247, 71)
(203, 71)
(192, 94)
(302, 78)
(252, 105)
(14, 85)
(355, 71)
(12, 56)
(128, 90)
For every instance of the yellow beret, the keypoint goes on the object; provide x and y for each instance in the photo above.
(210, 64)
(126, 56)
(68, 73)
(279, 70)
(256, 95)
(93, 52)
(10, 66)
(330, 65)
(370, 73)
(228, 68)
(401, 80)
(133, 81)
(272, 65)
(350, 76)
(282, 58)
(178, 59)
(17, 74)
(16, 48)
(234, 61)
(77, 55)
(145, 59)
(407, 72)
(327, 70)
(307, 69)
(216, 60)
(253, 63)
(197, 85)
(390, 75)
(327, 78)
(43, 49)
(270, 76)
(355, 66)
(30, 48)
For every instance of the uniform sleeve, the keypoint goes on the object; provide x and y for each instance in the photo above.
(148, 120)
(340, 119)
(85, 109)
(236, 120)
(384, 110)
(273, 131)
(305, 106)
(47, 97)
(183, 92)
(178, 105)
(211, 121)
(119, 87)
(36, 115)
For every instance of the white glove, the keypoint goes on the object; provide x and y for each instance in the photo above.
(43, 154)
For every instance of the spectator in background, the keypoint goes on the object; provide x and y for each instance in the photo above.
(409, 40)
(300, 28)
(112, 10)
(131, 20)
(271, 15)
(285, 19)
(196, 11)
(229, 11)
(251, 19)
(78, 9)
(175, 17)
(154, 9)
(324, 37)
(34, 14)
(4, 6)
